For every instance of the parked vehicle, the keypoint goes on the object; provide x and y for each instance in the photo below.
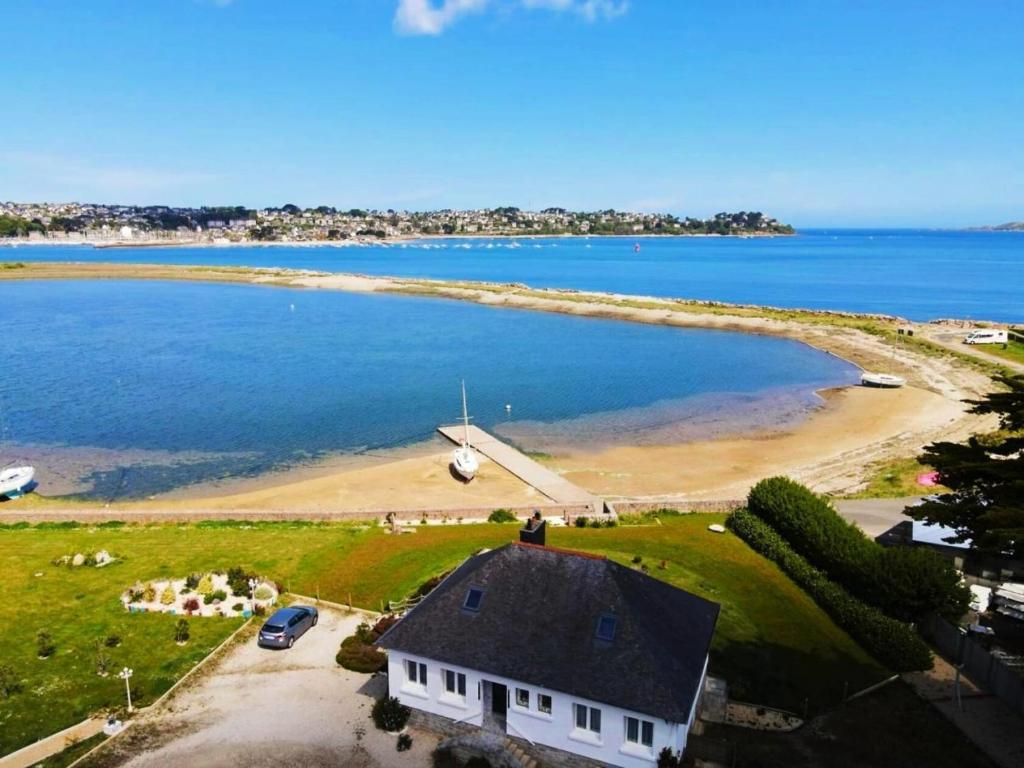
(287, 625)
(987, 336)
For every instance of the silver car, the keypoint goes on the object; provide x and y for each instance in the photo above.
(287, 625)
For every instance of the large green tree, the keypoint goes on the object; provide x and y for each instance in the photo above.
(986, 477)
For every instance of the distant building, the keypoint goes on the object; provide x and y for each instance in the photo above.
(566, 653)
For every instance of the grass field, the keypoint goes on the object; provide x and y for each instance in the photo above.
(773, 644)
(896, 480)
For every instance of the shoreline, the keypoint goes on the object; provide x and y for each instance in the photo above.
(831, 449)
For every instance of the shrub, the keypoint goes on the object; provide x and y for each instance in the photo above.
(238, 580)
(103, 661)
(428, 586)
(263, 592)
(181, 633)
(238, 607)
(9, 682)
(149, 592)
(384, 624)
(44, 644)
(167, 597)
(258, 610)
(906, 584)
(112, 641)
(205, 585)
(610, 522)
(219, 595)
(191, 605)
(637, 559)
(358, 652)
(404, 742)
(389, 714)
(581, 521)
(595, 523)
(501, 516)
(892, 642)
(668, 759)
(192, 581)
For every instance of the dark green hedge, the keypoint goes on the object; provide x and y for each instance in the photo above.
(892, 642)
(907, 583)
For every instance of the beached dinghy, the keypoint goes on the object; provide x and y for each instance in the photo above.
(464, 457)
(882, 380)
(15, 480)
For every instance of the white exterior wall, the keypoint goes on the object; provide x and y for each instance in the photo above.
(555, 730)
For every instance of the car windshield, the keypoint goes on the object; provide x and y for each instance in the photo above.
(273, 628)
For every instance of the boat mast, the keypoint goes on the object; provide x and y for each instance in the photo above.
(465, 416)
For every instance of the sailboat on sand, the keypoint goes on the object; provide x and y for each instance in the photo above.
(464, 459)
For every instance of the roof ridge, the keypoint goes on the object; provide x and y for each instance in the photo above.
(559, 550)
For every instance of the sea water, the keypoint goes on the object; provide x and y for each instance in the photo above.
(128, 388)
(917, 274)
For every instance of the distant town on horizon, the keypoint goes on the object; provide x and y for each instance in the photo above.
(92, 221)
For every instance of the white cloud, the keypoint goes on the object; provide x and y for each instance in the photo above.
(424, 17)
(432, 17)
(591, 10)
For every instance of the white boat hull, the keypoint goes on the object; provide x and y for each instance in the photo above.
(464, 462)
(15, 480)
(883, 380)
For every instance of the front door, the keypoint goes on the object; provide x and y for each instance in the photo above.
(499, 699)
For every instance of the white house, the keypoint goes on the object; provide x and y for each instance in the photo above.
(563, 651)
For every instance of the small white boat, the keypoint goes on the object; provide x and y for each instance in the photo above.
(884, 380)
(464, 457)
(15, 480)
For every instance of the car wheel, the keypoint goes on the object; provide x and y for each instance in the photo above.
(291, 641)
(315, 620)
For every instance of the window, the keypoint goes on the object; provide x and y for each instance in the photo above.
(587, 718)
(522, 698)
(544, 703)
(639, 731)
(606, 628)
(473, 598)
(455, 683)
(415, 673)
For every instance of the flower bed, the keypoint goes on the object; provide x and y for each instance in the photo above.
(209, 594)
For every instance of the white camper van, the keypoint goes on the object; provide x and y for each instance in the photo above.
(987, 336)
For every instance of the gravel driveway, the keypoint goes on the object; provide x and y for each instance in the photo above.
(261, 707)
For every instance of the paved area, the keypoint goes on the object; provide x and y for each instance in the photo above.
(267, 708)
(875, 516)
(552, 485)
(952, 339)
(982, 718)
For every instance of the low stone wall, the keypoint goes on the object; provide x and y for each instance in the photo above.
(682, 505)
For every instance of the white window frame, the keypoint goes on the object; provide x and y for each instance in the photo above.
(591, 732)
(526, 692)
(540, 707)
(415, 673)
(458, 680)
(642, 727)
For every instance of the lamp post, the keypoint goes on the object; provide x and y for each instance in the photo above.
(252, 595)
(125, 674)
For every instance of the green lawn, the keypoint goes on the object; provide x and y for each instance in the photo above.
(897, 480)
(773, 644)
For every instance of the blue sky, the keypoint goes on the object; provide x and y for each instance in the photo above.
(821, 113)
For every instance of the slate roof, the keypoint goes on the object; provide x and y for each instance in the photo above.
(537, 624)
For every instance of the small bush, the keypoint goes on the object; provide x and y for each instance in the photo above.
(501, 516)
(238, 607)
(668, 759)
(9, 682)
(258, 610)
(610, 522)
(581, 521)
(637, 559)
(181, 633)
(238, 580)
(149, 592)
(389, 714)
(167, 597)
(595, 523)
(263, 592)
(112, 641)
(218, 595)
(205, 585)
(103, 661)
(892, 642)
(192, 581)
(191, 605)
(404, 742)
(358, 652)
(45, 646)
(384, 624)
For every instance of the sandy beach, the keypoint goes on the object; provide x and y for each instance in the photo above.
(830, 450)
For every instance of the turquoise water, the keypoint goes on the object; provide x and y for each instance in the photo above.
(122, 388)
(918, 274)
